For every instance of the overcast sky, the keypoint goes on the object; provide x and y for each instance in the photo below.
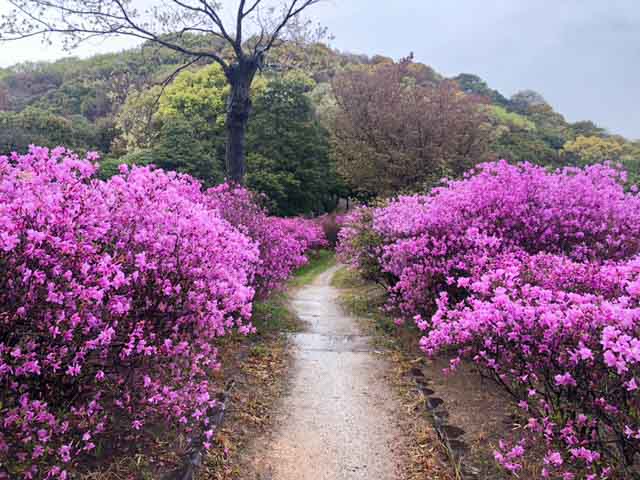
(583, 56)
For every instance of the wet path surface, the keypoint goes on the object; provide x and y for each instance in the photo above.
(337, 419)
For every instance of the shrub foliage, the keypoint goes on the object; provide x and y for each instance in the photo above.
(533, 275)
(112, 297)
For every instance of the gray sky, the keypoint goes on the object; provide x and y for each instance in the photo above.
(582, 55)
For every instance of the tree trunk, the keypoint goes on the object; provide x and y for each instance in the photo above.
(240, 77)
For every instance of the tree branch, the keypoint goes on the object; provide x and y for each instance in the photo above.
(105, 22)
(291, 13)
(215, 18)
(239, 21)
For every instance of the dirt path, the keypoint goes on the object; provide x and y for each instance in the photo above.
(337, 420)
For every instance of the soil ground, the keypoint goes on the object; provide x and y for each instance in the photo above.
(338, 418)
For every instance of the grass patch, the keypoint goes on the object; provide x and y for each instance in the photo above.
(319, 261)
(364, 299)
(346, 278)
(273, 315)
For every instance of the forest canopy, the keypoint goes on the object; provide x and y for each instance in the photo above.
(325, 124)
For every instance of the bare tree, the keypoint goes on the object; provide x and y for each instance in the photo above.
(397, 130)
(256, 27)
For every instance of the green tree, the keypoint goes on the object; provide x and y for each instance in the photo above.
(199, 96)
(587, 150)
(474, 85)
(630, 159)
(519, 145)
(18, 130)
(178, 148)
(587, 128)
(136, 121)
(289, 150)
(165, 25)
(190, 115)
(541, 144)
(515, 137)
(523, 100)
(500, 116)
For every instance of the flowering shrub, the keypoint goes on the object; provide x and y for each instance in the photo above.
(533, 275)
(308, 233)
(562, 338)
(282, 242)
(361, 246)
(112, 296)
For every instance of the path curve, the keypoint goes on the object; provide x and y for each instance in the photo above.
(337, 420)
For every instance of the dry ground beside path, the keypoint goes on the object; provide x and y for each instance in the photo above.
(338, 419)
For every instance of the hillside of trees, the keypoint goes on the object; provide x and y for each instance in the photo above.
(324, 124)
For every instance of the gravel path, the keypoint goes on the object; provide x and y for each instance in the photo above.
(337, 419)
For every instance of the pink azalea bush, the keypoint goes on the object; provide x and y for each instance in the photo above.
(112, 296)
(533, 275)
(361, 246)
(308, 233)
(282, 242)
(562, 338)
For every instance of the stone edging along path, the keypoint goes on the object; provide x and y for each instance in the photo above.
(338, 418)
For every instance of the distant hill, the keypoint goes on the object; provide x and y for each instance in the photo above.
(76, 102)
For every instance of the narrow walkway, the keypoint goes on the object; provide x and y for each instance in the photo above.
(337, 420)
